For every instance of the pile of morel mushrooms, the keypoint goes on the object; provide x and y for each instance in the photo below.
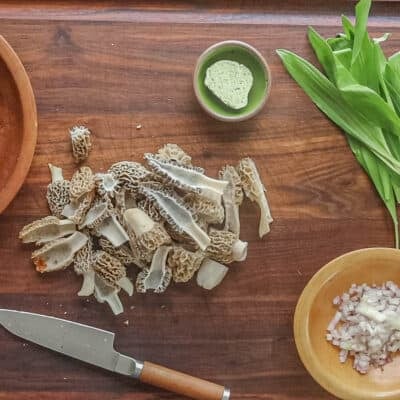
(168, 219)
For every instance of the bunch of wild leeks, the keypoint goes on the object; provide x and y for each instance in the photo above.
(361, 94)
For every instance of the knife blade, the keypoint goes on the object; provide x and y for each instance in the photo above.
(96, 346)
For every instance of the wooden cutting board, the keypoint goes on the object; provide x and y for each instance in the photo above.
(113, 67)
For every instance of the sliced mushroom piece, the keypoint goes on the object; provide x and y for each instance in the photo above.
(57, 191)
(204, 208)
(81, 143)
(95, 216)
(46, 229)
(83, 265)
(112, 272)
(255, 191)
(225, 247)
(158, 276)
(184, 263)
(172, 152)
(122, 253)
(130, 174)
(77, 209)
(59, 253)
(106, 185)
(111, 229)
(104, 293)
(187, 178)
(176, 214)
(82, 182)
(211, 274)
(146, 236)
(232, 198)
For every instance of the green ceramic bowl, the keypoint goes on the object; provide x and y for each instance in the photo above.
(244, 54)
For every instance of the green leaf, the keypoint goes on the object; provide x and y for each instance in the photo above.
(323, 53)
(381, 179)
(329, 100)
(392, 82)
(348, 28)
(360, 29)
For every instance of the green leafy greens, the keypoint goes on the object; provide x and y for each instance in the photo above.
(360, 92)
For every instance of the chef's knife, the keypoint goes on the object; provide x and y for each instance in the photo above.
(96, 347)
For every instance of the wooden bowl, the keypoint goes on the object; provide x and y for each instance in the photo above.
(315, 310)
(18, 124)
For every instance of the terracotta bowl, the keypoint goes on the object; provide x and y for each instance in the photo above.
(18, 124)
(315, 310)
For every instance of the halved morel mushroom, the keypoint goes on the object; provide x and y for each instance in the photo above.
(184, 263)
(82, 182)
(106, 185)
(255, 191)
(83, 266)
(59, 253)
(158, 276)
(145, 234)
(81, 143)
(150, 209)
(211, 274)
(109, 294)
(130, 174)
(187, 178)
(46, 229)
(77, 209)
(176, 214)
(57, 191)
(207, 210)
(225, 247)
(232, 198)
(122, 253)
(172, 152)
(111, 229)
(112, 272)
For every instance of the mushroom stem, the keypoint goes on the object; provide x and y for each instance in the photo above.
(239, 250)
(87, 288)
(56, 173)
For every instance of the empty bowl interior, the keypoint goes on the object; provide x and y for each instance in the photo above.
(315, 310)
(242, 55)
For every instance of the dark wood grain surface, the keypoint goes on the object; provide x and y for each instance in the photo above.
(112, 66)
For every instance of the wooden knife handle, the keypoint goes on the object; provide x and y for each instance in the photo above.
(180, 383)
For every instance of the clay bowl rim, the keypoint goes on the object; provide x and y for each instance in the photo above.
(29, 117)
(310, 360)
(261, 60)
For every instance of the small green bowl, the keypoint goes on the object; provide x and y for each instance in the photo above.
(242, 53)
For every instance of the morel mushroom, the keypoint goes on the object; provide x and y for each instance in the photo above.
(46, 229)
(232, 198)
(204, 208)
(176, 214)
(122, 253)
(172, 152)
(187, 178)
(81, 143)
(158, 276)
(145, 234)
(112, 272)
(57, 191)
(184, 263)
(225, 247)
(255, 191)
(59, 253)
(82, 182)
(83, 265)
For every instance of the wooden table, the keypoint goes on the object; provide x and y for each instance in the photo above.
(111, 67)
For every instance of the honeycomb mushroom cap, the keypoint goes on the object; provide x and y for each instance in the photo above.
(204, 208)
(81, 142)
(57, 194)
(122, 253)
(172, 152)
(83, 265)
(225, 247)
(184, 263)
(82, 182)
